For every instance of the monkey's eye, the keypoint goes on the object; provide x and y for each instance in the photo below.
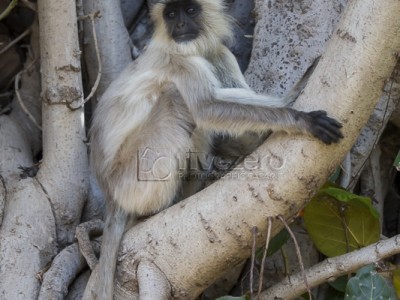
(191, 10)
(171, 14)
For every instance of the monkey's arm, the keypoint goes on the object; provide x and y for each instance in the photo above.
(229, 73)
(247, 97)
(237, 110)
(238, 117)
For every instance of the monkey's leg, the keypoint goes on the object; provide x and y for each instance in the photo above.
(113, 231)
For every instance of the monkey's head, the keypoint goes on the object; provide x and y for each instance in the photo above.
(190, 27)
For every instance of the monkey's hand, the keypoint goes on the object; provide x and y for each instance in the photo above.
(324, 128)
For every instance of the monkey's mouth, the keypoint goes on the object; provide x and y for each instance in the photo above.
(186, 37)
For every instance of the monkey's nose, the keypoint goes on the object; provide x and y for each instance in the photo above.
(181, 25)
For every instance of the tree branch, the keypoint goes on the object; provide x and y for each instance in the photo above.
(375, 126)
(64, 269)
(331, 268)
(153, 283)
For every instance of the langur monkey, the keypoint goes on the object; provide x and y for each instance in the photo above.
(184, 88)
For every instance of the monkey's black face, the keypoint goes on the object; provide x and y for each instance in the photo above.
(183, 20)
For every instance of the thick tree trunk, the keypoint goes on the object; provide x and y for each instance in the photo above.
(113, 41)
(42, 212)
(64, 170)
(288, 37)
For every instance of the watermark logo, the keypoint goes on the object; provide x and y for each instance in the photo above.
(160, 164)
(154, 164)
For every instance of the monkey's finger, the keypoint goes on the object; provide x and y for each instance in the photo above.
(321, 115)
(330, 125)
(326, 135)
(334, 122)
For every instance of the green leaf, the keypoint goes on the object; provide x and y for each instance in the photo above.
(345, 196)
(396, 282)
(339, 221)
(275, 244)
(369, 285)
(340, 283)
(278, 241)
(335, 176)
(333, 294)
(306, 296)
